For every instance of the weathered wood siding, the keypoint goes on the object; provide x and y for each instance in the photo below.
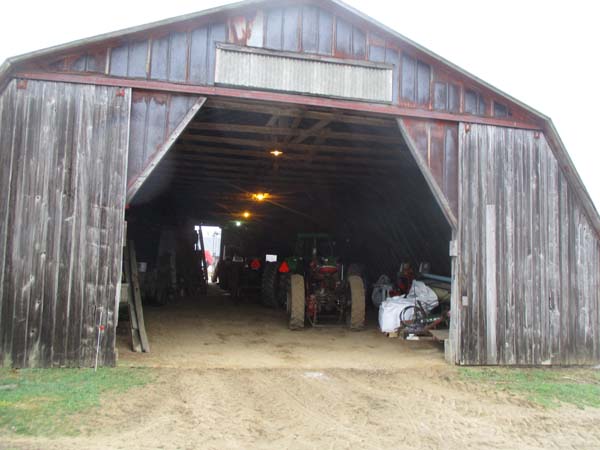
(157, 119)
(529, 258)
(185, 53)
(435, 147)
(63, 155)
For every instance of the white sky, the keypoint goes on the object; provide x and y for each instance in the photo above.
(545, 53)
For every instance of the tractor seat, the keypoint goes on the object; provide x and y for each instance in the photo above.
(327, 270)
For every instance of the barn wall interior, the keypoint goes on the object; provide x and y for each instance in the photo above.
(63, 163)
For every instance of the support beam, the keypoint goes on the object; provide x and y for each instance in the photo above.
(400, 156)
(188, 137)
(271, 130)
(294, 99)
(182, 160)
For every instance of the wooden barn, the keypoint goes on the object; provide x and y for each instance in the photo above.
(405, 155)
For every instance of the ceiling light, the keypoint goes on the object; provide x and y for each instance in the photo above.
(276, 153)
(260, 196)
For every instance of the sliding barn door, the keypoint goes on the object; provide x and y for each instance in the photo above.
(63, 155)
(529, 258)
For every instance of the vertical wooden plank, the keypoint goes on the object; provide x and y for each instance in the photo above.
(137, 297)
(8, 114)
(138, 59)
(217, 33)
(56, 206)
(22, 224)
(159, 64)
(119, 61)
(310, 29)
(497, 172)
(325, 33)
(409, 79)
(490, 281)
(423, 83)
(136, 345)
(510, 224)
(450, 175)
(157, 124)
(291, 27)
(393, 57)
(68, 189)
(343, 38)
(178, 57)
(440, 96)
(359, 43)
(139, 127)
(199, 56)
(436, 153)
(38, 229)
(274, 37)
(256, 37)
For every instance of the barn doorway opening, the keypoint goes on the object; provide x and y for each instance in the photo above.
(280, 182)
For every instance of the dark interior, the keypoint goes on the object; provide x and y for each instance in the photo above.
(347, 174)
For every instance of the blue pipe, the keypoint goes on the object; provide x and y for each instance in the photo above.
(437, 277)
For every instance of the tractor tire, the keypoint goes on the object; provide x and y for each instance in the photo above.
(296, 301)
(283, 288)
(268, 286)
(357, 307)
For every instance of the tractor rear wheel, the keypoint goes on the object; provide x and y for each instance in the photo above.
(296, 301)
(357, 306)
(269, 282)
(283, 290)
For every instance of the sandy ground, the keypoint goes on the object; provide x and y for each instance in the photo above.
(227, 380)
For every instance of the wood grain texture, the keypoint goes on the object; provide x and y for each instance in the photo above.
(435, 148)
(529, 256)
(66, 148)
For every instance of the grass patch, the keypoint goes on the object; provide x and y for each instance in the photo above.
(41, 401)
(546, 387)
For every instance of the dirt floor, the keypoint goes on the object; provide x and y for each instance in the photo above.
(235, 378)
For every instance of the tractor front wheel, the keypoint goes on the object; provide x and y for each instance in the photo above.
(295, 300)
(357, 306)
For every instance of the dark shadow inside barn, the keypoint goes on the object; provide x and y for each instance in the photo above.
(281, 181)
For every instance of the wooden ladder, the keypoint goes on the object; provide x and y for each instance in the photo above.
(139, 338)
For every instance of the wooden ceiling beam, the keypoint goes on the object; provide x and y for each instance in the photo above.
(182, 159)
(262, 108)
(271, 130)
(258, 182)
(196, 138)
(259, 175)
(397, 158)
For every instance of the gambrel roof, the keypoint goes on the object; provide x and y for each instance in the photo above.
(167, 51)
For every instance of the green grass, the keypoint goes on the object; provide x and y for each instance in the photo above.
(545, 387)
(44, 401)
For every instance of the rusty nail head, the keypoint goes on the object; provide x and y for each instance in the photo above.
(22, 84)
(468, 127)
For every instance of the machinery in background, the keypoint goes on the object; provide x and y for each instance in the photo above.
(241, 276)
(315, 286)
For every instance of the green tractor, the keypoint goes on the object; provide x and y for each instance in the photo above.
(314, 286)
